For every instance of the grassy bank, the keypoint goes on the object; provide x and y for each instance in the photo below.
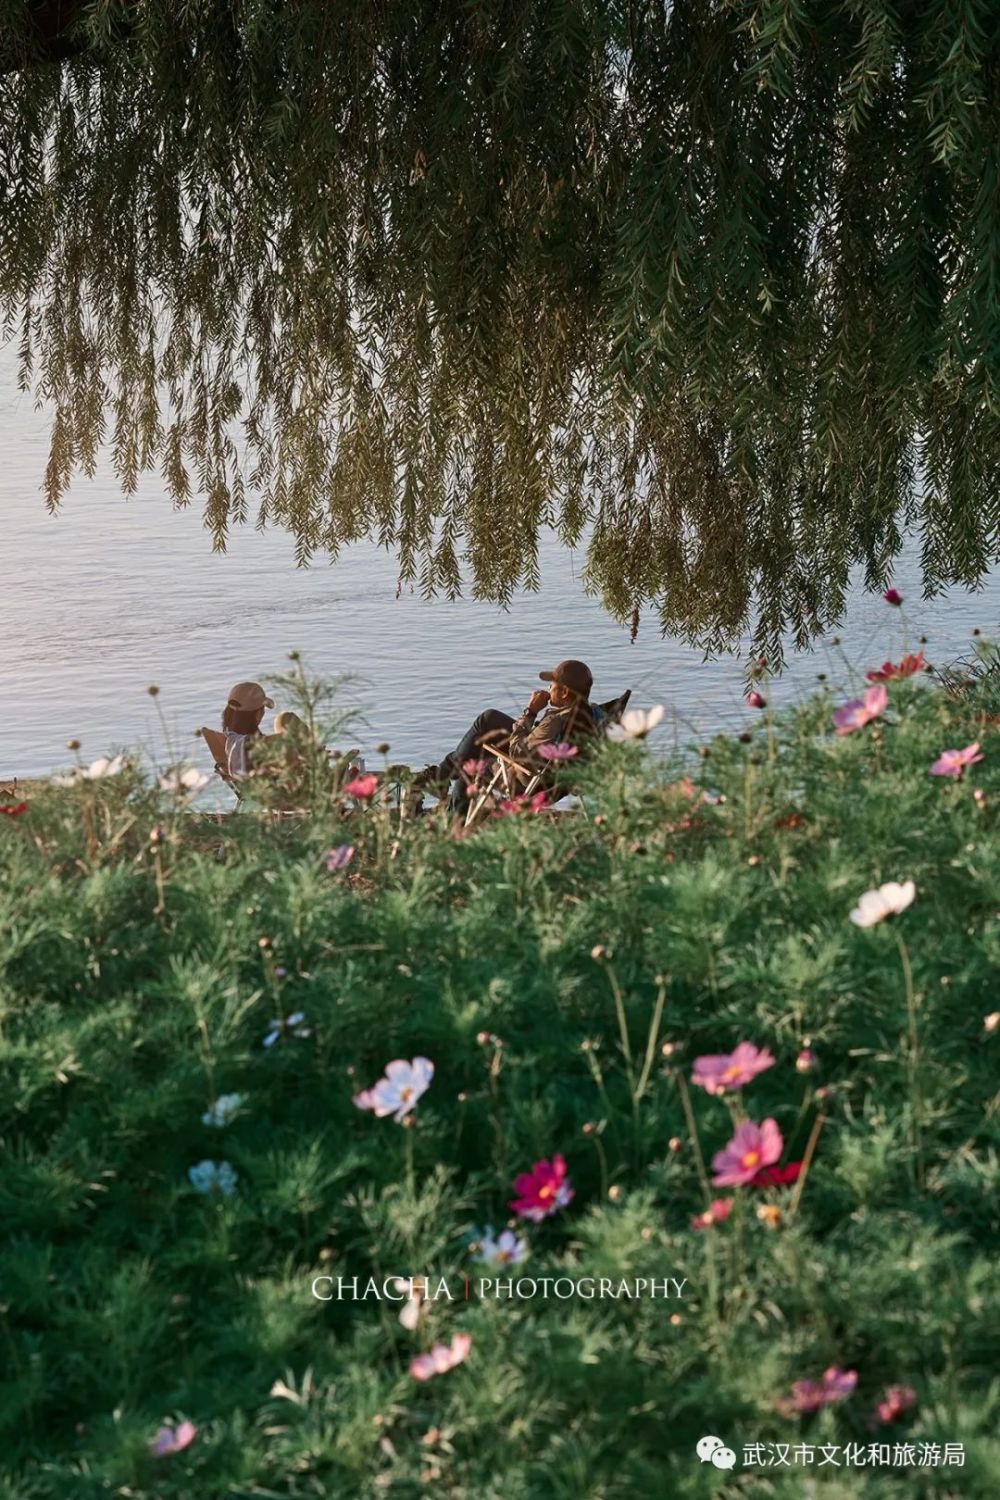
(563, 975)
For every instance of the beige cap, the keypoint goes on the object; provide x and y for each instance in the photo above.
(248, 697)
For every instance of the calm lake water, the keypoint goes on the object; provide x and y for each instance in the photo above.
(112, 595)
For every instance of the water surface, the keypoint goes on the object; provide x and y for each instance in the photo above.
(112, 595)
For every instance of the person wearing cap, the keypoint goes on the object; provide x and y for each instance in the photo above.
(560, 715)
(241, 721)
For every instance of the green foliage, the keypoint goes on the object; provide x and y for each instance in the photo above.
(717, 278)
(544, 964)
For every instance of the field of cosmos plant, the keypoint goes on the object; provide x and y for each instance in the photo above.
(646, 1149)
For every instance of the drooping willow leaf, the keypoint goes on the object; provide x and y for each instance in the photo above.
(714, 282)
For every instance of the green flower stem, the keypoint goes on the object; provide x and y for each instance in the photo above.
(913, 1060)
(653, 1038)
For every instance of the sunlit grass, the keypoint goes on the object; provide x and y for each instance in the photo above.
(562, 973)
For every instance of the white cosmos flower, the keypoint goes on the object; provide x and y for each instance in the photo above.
(505, 1249)
(224, 1110)
(397, 1092)
(192, 780)
(635, 723)
(888, 901)
(211, 1177)
(96, 771)
(415, 1289)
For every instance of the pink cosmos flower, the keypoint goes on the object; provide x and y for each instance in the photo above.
(717, 1212)
(722, 1073)
(441, 1358)
(953, 762)
(362, 787)
(896, 1400)
(889, 671)
(339, 858)
(562, 751)
(397, 1092)
(752, 1148)
(857, 712)
(756, 700)
(173, 1439)
(809, 1395)
(522, 804)
(473, 769)
(893, 596)
(542, 1190)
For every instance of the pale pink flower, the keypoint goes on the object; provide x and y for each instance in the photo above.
(398, 1091)
(724, 1072)
(888, 901)
(362, 787)
(519, 804)
(756, 700)
(857, 712)
(751, 1148)
(635, 724)
(441, 1358)
(717, 1212)
(892, 1404)
(173, 1439)
(562, 751)
(953, 762)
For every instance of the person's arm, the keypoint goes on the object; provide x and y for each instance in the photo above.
(525, 727)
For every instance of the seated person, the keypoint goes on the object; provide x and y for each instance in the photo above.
(566, 716)
(241, 721)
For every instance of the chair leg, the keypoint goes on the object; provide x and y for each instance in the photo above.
(476, 804)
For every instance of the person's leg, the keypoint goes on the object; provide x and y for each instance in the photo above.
(492, 721)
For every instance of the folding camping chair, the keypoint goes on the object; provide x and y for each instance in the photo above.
(216, 742)
(512, 778)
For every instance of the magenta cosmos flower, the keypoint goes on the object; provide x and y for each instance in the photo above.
(896, 1400)
(562, 751)
(542, 1190)
(889, 671)
(893, 596)
(721, 1073)
(752, 1148)
(953, 762)
(809, 1395)
(857, 712)
(441, 1358)
(397, 1092)
(173, 1439)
